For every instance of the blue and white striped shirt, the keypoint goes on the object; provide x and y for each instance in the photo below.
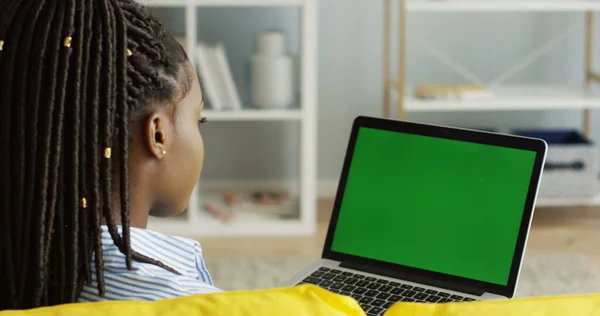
(148, 282)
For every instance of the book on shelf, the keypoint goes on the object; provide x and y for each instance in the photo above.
(452, 92)
(216, 78)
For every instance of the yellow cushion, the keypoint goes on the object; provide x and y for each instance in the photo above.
(543, 306)
(305, 300)
(309, 300)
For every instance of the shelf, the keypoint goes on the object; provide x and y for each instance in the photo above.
(245, 222)
(221, 3)
(513, 98)
(246, 225)
(564, 202)
(502, 5)
(253, 115)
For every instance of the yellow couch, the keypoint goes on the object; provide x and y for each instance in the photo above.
(309, 300)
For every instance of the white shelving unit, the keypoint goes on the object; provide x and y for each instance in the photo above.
(504, 5)
(514, 98)
(195, 222)
(505, 97)
(255, 115)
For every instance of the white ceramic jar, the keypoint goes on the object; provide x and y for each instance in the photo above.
(271, 72)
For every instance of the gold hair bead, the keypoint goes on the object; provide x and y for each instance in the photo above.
(1, 45)
(129, 52)
(107, 152)
(83, 203)
(67, 41)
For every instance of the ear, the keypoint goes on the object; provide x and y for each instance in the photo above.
(158, 128)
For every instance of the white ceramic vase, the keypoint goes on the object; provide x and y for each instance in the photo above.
(272, 73)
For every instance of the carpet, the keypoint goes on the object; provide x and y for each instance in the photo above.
(543, 274)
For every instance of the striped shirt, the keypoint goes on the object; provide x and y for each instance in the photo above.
(147, 282)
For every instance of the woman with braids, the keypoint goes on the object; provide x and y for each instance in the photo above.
(99, 113)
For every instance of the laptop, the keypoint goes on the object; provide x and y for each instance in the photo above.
(428, 214)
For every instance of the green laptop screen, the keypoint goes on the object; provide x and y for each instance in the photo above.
(440, 205)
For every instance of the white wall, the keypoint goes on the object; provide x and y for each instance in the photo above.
(351, 74)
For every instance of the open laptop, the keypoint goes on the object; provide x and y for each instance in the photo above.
(428, 214)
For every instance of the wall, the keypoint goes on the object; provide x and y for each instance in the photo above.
(351, 74)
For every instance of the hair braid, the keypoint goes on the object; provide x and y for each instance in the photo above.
(9, 265)
(72, 152)
(41, 162)
(86, 247)
(122, 120)
(94, 160)
(32, 100)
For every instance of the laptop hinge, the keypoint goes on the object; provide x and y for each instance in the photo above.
(411, 277)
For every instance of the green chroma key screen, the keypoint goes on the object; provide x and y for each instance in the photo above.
(435, 204)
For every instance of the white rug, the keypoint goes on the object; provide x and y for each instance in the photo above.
(543, 274)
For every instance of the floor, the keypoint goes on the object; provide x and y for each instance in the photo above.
(554, 229)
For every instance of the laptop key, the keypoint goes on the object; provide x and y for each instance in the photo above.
(420, 296)
(443, 294)
(388, 305)
(408, 299)
(358, 276)
(335, 271)
(397, 291)
(345, 293)
(383, 281)
(357, 297)
(324, 269)
(406, 286)
(409, 293)
(378, 303)
(340, 278)
(349, 288)
(312, 280)
(385, 288)
(337, 286)
(468, 299)
(328, 276)
(371, 279)
(371, 293)
(394, 284)
(374, 286)
(351, 281)
(456, 297)
(360, 290)
(347, 274)
(431, 292)
(419, 289)
(383, 296)
(317, 274)
(335, 291)
(366, 300)
(445, 300)
(362, 283)
(365, 307)
(433, 299)
(394, 298)
(376, 310)
(326, 283)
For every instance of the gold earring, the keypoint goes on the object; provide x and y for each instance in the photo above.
(107, 152)
(83, 203)
(129, 52)
(164, 152)
(1, 45)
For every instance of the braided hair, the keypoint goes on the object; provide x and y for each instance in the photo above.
(74, 76)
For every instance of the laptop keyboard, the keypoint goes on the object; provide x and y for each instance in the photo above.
(374, 295)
